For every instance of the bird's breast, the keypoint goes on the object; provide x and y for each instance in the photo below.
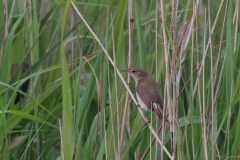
(142, 104)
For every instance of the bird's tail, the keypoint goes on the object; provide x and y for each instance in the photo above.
(159, 112)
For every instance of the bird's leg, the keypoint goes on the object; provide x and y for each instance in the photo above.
(136, 105)
(147, 122)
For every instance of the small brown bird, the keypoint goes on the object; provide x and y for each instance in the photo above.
(147, 91)
(25, 85)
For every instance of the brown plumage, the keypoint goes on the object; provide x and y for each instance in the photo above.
(147, 91)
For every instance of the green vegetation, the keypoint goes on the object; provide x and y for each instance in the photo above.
(74, 107)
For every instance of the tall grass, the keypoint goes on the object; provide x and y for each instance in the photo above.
(80, 106)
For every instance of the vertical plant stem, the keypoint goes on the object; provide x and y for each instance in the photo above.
(219, 54)
(212, 83)
(185, 37)
(156, 37)
(150, 137)
(168, 81)
(60, 126)
(130, 25)
(173, 68)
(198, 82)
(220, 44)
(105, 133)
(6, 31)
(191, 100)
(103, 72)
(204, 107)
(163, 125)
(227, 129)
(206, 49)
(98, 91)
(236, 14)
(31, 33)
(111, 114)
(154, 139)
(79, 47)
(156, 60)
(118, 155)
(100, 96)
(10, 16)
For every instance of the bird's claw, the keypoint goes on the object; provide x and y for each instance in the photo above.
(147, 122)
(137, 105)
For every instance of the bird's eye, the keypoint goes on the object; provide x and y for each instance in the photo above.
(133, 71)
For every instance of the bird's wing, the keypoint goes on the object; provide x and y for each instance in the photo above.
(151, 96)
(149, 93)
(158, 109)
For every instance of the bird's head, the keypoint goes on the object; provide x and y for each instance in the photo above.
(137, 73)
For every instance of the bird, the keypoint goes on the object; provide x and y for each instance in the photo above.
(25, 85)
(147, 90)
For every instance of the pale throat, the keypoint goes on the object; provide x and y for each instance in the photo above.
(136, 78)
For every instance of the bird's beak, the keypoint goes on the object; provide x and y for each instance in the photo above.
(126, 70)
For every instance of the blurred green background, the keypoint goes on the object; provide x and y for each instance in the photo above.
(69, 108)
